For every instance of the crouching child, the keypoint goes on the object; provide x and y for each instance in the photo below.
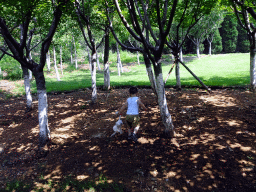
(131, 107)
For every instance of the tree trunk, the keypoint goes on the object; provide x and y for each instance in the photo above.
(210, 48)
(44, 132)
(27, 89)
(55, 65)
(89, 57)
(252, 69)
(150, 72)
(93, 76)
(119, 63)
(61, 67)
(138, 57)
(177, 73)
(98, 62)
(30, 72)
(75, 52)
(71, 53)
(106, 64)
(48, 61)
(198, 50)
(181, 54)
(162, 102)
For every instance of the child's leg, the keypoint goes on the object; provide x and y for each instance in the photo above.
(129, 132)
(136, 124)
(136, 129)
(129, 124)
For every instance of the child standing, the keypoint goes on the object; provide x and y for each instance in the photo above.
(132, 105)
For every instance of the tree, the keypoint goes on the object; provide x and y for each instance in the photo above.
(243, 44)
(24, 13)
(187, 16)
(88, 17)
(229, 34)
(216, 42)
(139, 17)
(246, 16)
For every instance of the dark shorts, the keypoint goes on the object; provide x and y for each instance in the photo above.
(132, 120)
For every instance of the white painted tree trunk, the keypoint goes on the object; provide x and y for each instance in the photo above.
(119, 63)
(162, 102)
(48, 61)
(252, 69)
(106, 76)
(30, 72)
(55, 65)
(138, 57)
(71, 53)
(61, 67)
(151, 78)
(93, 77)
(75, 53)
(198, 50)
(181, 54)
(210, 47)
(98, 62)
(89, 57)
(27, 88)
(177, 72)
(44, 132)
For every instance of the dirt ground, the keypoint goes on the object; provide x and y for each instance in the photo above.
(214, 148)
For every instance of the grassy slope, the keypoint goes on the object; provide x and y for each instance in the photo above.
(216, 70)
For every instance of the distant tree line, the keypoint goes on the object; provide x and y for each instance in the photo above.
(229, 38)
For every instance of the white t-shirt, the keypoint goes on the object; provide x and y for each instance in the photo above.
(133, 106)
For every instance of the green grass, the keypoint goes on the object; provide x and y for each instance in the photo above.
(217, 70)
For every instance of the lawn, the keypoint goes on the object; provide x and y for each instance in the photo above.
(224, 70)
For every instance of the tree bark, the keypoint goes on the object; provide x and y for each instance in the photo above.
(177, 72)
(162, 102)
(93, 76)
(119, 63)
(27, 89)
(61, 67)
(150, 72)
(55, 65)
(44, 132)
(48, 60)
(89, 57)
(252, 69)
(198, 50)
(98, 62)
(210, 48)
(29, 71)
(106, 64)
(138, 57)
(75, 52)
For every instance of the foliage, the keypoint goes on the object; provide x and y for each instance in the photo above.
(11, 68)
(243, 44)
(68, 182)
(229, 34)
(217, 42)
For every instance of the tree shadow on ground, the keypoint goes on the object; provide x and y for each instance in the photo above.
(214, 149)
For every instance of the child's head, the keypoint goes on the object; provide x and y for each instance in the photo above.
(133, 90)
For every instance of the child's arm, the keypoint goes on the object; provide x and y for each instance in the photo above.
(142, 105)
(121, 111)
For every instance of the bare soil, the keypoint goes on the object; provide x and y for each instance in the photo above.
(213, 149)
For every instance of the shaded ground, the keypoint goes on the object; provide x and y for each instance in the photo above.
(214, 149)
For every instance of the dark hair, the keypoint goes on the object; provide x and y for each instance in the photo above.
(133, 90)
